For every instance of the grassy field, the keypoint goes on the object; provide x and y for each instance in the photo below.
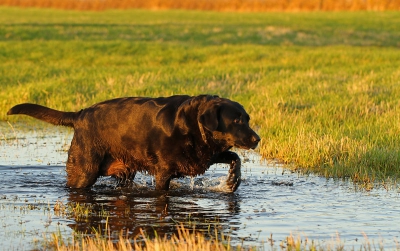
(322, 88)
(217, 5)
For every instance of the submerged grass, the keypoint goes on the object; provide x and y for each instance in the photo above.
(321, 88)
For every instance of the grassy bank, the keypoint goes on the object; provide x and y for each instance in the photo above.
(322, 88)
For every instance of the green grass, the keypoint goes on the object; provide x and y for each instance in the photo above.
(322, 88)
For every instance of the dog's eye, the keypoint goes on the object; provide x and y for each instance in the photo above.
(236, 121)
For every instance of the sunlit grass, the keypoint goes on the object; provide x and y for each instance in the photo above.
(185, 239)
(190, 239)
(321, 88)
(218, 5)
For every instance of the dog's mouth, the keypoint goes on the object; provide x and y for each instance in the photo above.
(254, 147)
(245, 147)
(239, 144)
(249, 143)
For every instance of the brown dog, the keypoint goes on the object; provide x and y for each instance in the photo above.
(167, 137)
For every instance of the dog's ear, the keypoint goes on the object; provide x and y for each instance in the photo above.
(181, 121)
(209, 118)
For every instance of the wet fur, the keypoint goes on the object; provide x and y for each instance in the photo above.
(166, 137)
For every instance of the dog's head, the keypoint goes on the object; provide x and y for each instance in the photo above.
(228, 123)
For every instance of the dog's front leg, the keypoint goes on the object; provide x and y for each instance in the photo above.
(234, 175)
(162, 181)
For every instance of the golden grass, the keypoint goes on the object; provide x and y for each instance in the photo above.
(185, 239)
(217, 5)
(192, 240)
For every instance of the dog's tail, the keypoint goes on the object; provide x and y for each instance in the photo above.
(46, 114)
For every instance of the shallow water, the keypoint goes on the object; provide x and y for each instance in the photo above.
(271, 201)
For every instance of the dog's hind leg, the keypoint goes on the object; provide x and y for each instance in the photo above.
(234, 176)
(82, 165)
(117, 169)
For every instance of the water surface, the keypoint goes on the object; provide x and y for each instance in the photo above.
(271, 204)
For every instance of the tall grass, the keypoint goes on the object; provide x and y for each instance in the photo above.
(321, 88)
(219, 5)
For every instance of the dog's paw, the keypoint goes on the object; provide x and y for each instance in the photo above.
(224, 187)
(233, 182)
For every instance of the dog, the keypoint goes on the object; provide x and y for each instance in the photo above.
(167, 137)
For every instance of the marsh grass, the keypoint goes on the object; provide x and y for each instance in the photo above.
(191, 239)
(321, 88)
(185, 239)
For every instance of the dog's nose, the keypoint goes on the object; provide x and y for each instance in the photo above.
(255, 139)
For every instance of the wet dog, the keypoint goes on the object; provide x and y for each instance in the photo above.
(167, 137)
